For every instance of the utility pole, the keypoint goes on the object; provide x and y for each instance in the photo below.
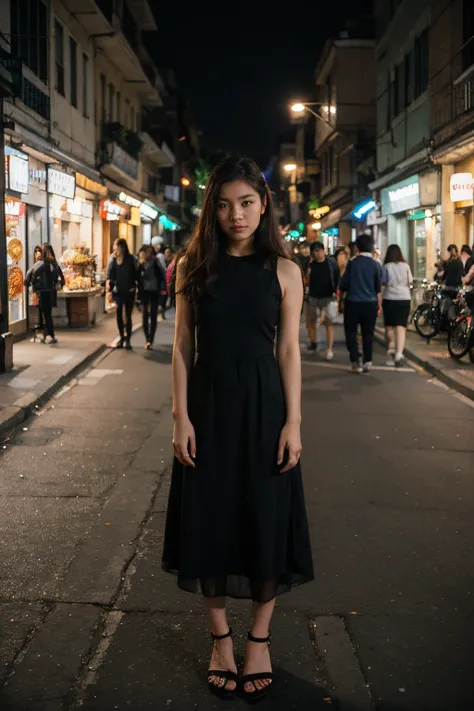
(3, 239)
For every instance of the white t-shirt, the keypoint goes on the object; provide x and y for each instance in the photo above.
(399, 281)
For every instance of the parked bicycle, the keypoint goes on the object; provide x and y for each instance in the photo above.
(437, 311)
(461, 332)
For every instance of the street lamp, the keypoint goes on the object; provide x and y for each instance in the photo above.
(185, 182)
(289, 167)
(299, 108)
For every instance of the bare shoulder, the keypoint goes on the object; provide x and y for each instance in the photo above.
(289, 273)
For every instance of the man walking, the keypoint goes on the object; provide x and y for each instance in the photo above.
(362, 281)
(323, 285)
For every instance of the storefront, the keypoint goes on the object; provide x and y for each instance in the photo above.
(17, 187)
(461, 194)
(114, 218)
(148, 214)
(413, 212)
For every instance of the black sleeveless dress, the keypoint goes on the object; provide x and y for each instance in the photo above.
(235, 525)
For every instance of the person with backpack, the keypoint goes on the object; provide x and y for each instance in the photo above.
(123, 279)
(151, 282)
(323, 286)
(45, 276)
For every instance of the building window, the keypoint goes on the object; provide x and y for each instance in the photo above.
(408, 79)
(468, 25)
(111, 102)
(59, 56)
(421, 64)
(85, 85)
(29, 35)
(73, 70)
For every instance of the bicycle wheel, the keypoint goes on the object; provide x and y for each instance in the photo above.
(427, 321)
(459, 337)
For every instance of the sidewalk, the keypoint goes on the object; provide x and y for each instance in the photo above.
(435, 359)
(41, 370)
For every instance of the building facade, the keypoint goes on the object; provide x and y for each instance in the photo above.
(408, 185)
(80, 168)
(345, 131)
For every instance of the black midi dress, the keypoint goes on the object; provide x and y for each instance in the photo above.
(235, 525)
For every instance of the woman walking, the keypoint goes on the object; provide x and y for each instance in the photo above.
(396, 303)
(151, 282)
(123, 278)
(236, 523)
(44, 276)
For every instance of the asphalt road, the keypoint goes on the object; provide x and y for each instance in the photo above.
(88, 620)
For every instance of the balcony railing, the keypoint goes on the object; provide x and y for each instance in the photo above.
(35, 99)
(129, 141)
(463, 93)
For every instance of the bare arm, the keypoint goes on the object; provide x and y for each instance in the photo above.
(289, 360)
(184, 441)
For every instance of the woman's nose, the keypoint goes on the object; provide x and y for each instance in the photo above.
(236, 213)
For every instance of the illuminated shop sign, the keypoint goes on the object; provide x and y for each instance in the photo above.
(401, 196)
(112, 211)
(61, 184)
(18, 174)
(461, 187)
(363, 209)
(148, 211)
(129, 200)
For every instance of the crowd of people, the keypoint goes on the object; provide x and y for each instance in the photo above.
(355, 287)
(147, 280)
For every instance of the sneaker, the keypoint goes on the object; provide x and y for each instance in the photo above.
(312, 346)
(329, 355)
(148, 346)
(390, 358)
(356, 368)
(53, 340)
(366, 367)
(399, 360)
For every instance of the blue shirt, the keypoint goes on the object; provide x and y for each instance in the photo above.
(363, 279)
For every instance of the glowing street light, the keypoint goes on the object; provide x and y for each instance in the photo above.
(289, 167)
(298, 108)
(316, 225)
(185, 182)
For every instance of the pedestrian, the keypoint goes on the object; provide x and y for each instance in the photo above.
(45, 277)
(236, 523)
(151, 282)
(362, 282)
(451, 270)
(323, 286)
(160, 254)
(396, 303)
(466, 258)
(37, 257)
(123, 278)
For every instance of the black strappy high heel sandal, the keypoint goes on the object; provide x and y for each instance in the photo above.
(227, 675)
(258, 694)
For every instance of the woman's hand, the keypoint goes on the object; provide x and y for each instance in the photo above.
(290, 441)
(184, 441)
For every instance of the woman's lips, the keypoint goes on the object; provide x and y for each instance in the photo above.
(238, 228)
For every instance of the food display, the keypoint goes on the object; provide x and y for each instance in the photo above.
(79, 267)
(15, 249)
(15, 282)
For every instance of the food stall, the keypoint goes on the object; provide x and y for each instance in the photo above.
(78, 302)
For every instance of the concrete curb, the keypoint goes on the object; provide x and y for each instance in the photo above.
(17, 413)
(449, 378)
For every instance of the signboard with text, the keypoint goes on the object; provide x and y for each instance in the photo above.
(461, 187)
(18, 174)
(60, 183)
(401, 196)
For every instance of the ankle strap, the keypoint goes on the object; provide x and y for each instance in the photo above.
(222, 636)
(259, 640)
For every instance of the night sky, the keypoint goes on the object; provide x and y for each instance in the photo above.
(241, 65)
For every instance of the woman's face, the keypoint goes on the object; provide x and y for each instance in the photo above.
(38, 255)
(149, 254)
(119, 251)
(239, 210)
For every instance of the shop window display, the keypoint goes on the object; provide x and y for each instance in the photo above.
(15, 223)
(79, 267)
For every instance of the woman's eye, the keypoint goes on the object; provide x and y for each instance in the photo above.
(246, 203)
(222, 205)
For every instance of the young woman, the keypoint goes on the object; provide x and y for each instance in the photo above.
(466, 258)
(236, 523)
(396, 303)
(151, 282)
(44, 276)
(123, 278)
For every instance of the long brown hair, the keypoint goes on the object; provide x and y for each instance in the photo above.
(208, 246)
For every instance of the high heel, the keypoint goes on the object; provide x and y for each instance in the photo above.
(258, 694)
(226, 675)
